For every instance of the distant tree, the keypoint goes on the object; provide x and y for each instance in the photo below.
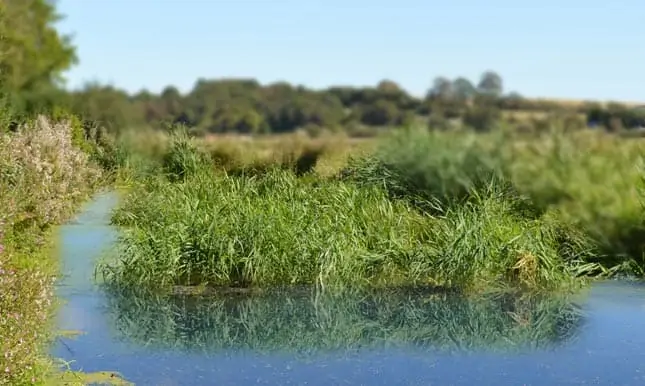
(463, 89)
(349, 96)
(238, 118)
(491, 84)
(107, 105)
(381, 113)
(171, 104)
(387, 86)
(442, 88)
(392, 92)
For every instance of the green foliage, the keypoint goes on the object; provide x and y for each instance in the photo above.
(431, 169)
(482, 117)
(79, 135)
(266, 230)
(182, 158)
(616, 117)
(590, 181)
(263, 230)
(495, 239)
(34, 54)
(244, 106)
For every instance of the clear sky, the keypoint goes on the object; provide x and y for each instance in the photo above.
(553, 48)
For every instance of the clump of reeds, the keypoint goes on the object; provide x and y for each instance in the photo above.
(589, 181)
(262, 230)
(430, 169)
(182, 158)
(494, 240)
(278, 229)
(593, 180)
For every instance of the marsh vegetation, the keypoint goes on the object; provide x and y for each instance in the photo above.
(466, 190)
(456, 210)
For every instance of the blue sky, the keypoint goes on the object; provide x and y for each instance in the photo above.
(565, 49)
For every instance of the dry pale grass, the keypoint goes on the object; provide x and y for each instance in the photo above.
(573, 103)
(528, 115)
(42, 176)
(241, 150)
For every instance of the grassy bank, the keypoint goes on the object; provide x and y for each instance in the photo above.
(193, 223)
(46, 170)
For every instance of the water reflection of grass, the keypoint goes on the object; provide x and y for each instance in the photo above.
(305, 322)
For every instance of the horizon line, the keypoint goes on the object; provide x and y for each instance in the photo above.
(187, 90)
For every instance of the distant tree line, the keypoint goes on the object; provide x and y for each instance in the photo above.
(34, 55)
(246, 106)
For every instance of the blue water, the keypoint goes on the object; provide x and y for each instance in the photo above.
(300, 338)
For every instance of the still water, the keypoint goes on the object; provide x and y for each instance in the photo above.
(301, 338)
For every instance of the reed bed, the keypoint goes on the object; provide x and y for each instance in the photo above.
(588, 180)
(456, 210)
(192, 225)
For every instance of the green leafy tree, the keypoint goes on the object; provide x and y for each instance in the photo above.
(442, 89)
(106, 105)
(463, 89)
(491, 84)
(380, 114)
(33, 54)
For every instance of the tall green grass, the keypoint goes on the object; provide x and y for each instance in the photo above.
(594, 180)
(279, 229)
(429, 169)
(264, 230)
(489, 242)
(454, 210)
(590, 181)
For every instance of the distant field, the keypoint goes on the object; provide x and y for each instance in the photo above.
(571, 103)
(524, 115)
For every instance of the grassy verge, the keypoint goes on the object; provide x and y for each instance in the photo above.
(45, 173)
(192, 225)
